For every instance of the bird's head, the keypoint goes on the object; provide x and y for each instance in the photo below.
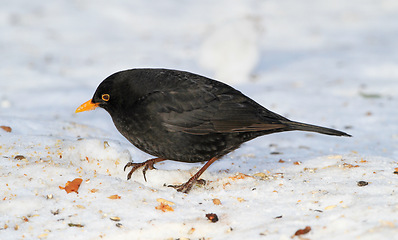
(111, 94)
(122, 90)
(103, 97)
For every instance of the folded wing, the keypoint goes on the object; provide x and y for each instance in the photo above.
(203, 111)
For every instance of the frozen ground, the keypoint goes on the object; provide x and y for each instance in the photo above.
(333, 64)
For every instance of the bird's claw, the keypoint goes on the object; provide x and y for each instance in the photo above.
(186, 187)
(134, 166)
(147, 165)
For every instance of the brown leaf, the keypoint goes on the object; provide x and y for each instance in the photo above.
(72, 186)
(6, 128)
(299, 232)
(115, 197)
(164, 207)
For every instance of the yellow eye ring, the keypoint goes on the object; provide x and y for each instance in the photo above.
(105, 97)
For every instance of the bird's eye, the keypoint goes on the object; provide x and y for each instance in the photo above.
(105, 97)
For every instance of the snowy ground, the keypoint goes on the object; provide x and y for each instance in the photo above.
(333, 64)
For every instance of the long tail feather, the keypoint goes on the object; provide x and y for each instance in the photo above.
(312, 128)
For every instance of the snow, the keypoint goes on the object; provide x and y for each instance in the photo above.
(327, 63)
(235, 58)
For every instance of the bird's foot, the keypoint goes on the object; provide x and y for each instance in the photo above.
(186, 187)
(147, 165)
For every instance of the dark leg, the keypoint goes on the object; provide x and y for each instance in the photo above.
(148, 164)
(186, 187)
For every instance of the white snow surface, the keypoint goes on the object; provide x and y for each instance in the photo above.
(331, 63)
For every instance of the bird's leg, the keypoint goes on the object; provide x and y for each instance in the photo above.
(186, 187)
(148, 164)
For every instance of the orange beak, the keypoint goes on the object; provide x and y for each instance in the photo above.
(87, 106)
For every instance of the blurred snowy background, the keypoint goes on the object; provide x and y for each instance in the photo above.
(331, 63)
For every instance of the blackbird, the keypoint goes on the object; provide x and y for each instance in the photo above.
(185, 117)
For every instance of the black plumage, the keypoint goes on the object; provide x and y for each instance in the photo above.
(181, 116)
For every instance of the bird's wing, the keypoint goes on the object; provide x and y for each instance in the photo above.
(202, 111)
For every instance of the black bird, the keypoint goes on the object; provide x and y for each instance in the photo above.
(181, 116)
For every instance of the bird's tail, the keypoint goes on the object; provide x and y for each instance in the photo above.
(312, 128)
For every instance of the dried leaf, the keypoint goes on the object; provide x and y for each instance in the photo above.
(72, 186)
(299, 232)
(164, 208)
(115, 197)
(6, 128)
